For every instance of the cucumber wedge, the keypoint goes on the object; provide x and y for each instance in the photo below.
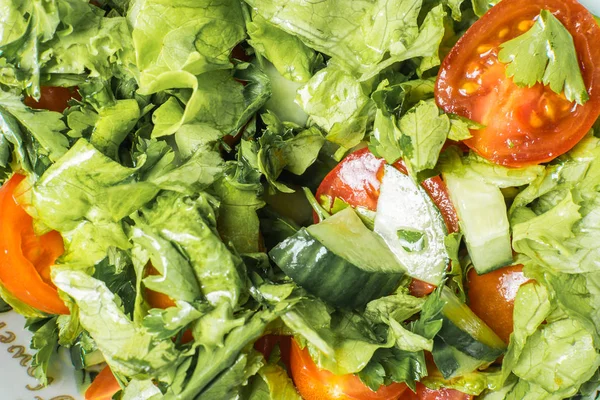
(483, 219)
(412, 226)
(339, 261)
(466, 332)
(451, 362)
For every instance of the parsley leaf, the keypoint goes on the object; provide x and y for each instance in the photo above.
(546, 54)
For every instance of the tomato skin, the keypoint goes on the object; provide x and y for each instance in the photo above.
(53, 98)
(316, 384)
(515, 135)
(25, 258)
(492, 297)
(357, 180)
(104, 386)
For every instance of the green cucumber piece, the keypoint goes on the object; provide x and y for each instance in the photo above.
(484, 221)
(452, 362)
(350, 269)
(346, 235)
(466, 332)
(412, 226)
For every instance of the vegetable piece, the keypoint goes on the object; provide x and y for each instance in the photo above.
(103, 387)
(483, 220)
(332, 277)
(523, 125)
(462, 329)
(545, 54)
(316, 384)
(452, 362)
(357, 181)
(413, 227)
(25, 258)
(492, 297)
(53, 98)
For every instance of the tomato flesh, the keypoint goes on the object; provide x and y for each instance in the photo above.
(25, 258)
(316, 384)
(104, 386)
(53, 98)
(523, 125)
(492, 297)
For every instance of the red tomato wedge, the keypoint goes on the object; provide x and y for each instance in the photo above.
(523, 126)
(103, 387)
(492, 297)
(25, 258)
(53, 98)
(357, 180)
(316, 384)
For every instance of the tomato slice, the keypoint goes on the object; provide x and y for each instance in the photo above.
(523, 125)
(25, 258)
(357, 180)
(492, 297)
(104, 386)
(316, 384)
(53, 98)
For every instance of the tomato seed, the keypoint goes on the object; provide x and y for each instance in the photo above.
(525, 25)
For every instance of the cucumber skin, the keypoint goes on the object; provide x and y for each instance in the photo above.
(453, 336)
(329, 276)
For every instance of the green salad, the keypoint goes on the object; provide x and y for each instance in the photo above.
(293, 199)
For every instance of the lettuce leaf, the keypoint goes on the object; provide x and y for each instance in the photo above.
(128, 348)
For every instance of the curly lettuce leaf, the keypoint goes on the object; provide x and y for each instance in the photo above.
(191, 37)
(128, 348)
(360, 34)
(292, 58)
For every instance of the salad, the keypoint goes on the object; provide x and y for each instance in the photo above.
(284, 199)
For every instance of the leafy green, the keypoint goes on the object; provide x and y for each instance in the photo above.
(191, 37)
(423, 132)
(84, 196)
(128, 348)
(358, 35)
(45, 341)
(190, 224)
(36, 136)
(546, 53)
(337, 103)
(292, 58)
(555, 219)
(559, 357)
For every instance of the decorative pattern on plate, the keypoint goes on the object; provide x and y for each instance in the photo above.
(17, 381)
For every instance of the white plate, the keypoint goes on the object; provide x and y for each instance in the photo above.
(16, 381)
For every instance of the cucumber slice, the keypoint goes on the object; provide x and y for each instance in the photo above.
(339, 261)
(412, 226)
(347, 236)
(466, 332)
(451, 362)
(483, 219)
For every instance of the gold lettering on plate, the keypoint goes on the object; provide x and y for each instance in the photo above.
(19, 352)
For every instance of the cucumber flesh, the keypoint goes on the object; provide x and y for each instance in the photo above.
(466, 332)
(412, 226)
(328, 276)
(347, 236)
(484, 221)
